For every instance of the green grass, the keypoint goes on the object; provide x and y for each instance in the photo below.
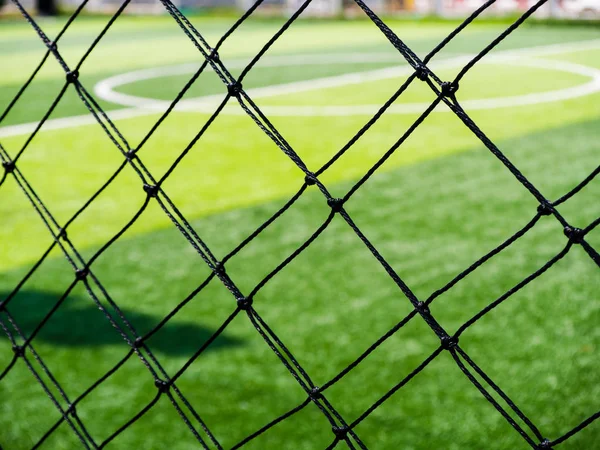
(438, 204)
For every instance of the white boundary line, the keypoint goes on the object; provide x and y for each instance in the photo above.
(105, 88)
(477, 104)
(208, 104)
(144, 107)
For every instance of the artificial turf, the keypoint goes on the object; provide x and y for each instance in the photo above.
(441, 202)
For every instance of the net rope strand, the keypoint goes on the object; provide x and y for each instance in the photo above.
(342, 430)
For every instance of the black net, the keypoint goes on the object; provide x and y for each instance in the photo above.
(242, 303)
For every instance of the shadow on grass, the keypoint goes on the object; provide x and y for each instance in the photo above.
(78, 322)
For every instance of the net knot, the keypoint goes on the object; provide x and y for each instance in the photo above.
(9, 166)
(544, 209)
(336, 204)
(449, 88)
(214, 56)
(423, 308)
(62, 234)
(234, 89)
(138, 342)
(575, 235)
(162, 385)
(81, 274)
(310, 179)
(421, 72)
(244, 303)
(72, 76)
(71, 409)
(545, 445)
(315, 393)
(220, 268)
(131, 154)
(151, 190)
(19, 350)
(449, 342)
(340, 432)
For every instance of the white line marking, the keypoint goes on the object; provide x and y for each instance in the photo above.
(588, 88)
(71, 122)
(144, 106)
(470, 105)
(104, 88)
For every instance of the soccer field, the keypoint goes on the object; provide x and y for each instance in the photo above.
(437, 204)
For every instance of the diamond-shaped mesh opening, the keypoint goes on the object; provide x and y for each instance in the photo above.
(229, 389)
(106, 401)
(438, 420)
(86, 173)
(139, 380)
(325, 328)
(534, 358)
(31, 419)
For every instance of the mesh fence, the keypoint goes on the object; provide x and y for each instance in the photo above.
(343, 431)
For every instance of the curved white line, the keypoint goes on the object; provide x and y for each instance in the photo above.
(105, 89)
(471, 105)
(87, 119)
